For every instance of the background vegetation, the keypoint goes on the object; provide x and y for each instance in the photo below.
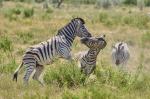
(24, 23)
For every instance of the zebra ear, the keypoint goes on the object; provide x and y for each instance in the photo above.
(122, 48)
(103, 36)
(79, 19)
(114, 47)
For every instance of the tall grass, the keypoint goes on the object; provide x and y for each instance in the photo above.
(25, 36)
(28, 12)
(146, 39)
(6, 44)
(8, 67)
(135, 20)
(64, 75)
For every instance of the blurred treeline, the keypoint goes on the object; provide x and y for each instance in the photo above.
(99, 2)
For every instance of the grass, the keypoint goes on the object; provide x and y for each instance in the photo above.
(64, 80)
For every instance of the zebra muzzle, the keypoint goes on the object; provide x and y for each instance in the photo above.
(117, 62)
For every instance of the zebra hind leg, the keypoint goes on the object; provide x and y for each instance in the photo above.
(39, 69)
(30, 66)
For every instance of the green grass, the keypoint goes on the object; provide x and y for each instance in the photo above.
(65, 75)
(137, 20)
(5, 44)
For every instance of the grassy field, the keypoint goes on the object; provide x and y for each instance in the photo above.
(23, 25)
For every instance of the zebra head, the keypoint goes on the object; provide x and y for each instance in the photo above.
(81, 30)
(119, 49)
(94, 42)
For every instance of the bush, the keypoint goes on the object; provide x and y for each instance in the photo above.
(17, 10)
(129, 2)
(28, 12)
(11, 14)
(5, 44)
(64, 74)
(114, 77)
(147, 2)
(39, 1)
(49, 10)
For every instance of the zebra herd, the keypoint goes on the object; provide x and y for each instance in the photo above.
(59, 46)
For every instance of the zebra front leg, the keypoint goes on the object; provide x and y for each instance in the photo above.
(39, 69)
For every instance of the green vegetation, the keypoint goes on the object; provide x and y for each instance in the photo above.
(28, 12)
(5, 44)
(25, 37)
(66, 74)
(146, 37)
(136, 20)
(25, 24)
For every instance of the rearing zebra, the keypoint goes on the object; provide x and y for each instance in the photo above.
(42, 54)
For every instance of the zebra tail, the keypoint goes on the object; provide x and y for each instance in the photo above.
(16, 72)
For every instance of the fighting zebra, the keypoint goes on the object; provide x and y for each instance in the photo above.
(58, 46)
(87, 59)
(120, 54)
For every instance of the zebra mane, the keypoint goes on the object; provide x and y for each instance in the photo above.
(83, 22)
(59, 31)
(119, 46)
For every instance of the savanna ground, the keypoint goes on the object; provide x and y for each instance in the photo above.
(24, 24)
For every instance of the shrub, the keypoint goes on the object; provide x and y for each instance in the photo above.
(28, 12)
(5, 44)
(147, 2)
(1, 3)
(49, 10)
(9, 13)
(64, 74)
(129, 2)
(114, 77)
(17, 10)
(39, 1)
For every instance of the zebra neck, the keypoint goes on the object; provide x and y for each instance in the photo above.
(92, 53)
(69, 32)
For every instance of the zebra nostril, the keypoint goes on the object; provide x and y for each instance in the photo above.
(117, 62)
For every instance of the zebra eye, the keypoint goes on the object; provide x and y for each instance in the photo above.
(100, 39)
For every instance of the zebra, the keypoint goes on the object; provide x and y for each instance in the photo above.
(120, 54)
(45, 52)
(87, 59)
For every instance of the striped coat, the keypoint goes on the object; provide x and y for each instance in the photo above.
(120, 54)
(87, 59)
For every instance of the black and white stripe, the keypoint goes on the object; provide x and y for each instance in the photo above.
(87, 59)
(59, 46)
(120, 53)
